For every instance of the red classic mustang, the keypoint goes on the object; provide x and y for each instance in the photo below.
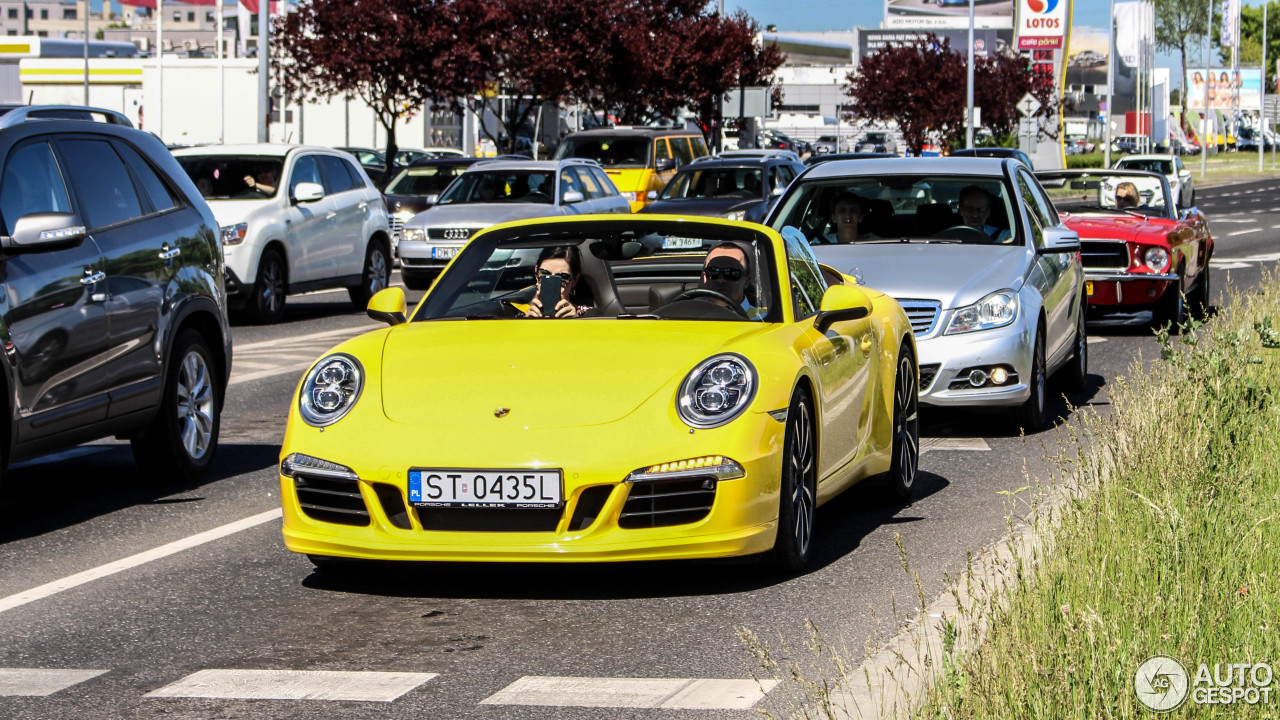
(1139, 250)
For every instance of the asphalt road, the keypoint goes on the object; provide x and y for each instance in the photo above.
(123, 600)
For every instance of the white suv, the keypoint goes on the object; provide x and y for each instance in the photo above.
(294, 218)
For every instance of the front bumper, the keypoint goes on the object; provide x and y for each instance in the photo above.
(1120, 289)
(742, 518)
(954, 355)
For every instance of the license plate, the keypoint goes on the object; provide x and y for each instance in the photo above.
(464, 488)
(680, 243)
(444, 253)
(1088, 288)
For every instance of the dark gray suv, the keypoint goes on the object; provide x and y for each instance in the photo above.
(112, 311)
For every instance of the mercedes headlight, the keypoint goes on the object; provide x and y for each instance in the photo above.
(716, 391)
(736, 215)
(410, 234)
(330, 390)
(1156, 258)
(995, 310)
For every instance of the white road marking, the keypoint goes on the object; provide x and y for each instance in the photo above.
(666, 693)
(111, 568)
(294, 685)
(958, 444)
(1234, 220)
(276, 344)
(1094, 339)
(1228, 265)
(35, 682)
(297, 352)
(237, 378)
(1259, 211)
(1244, 232)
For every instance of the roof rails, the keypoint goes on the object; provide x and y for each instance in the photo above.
(25, 113)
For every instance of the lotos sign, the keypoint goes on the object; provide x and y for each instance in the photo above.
(1041, 24)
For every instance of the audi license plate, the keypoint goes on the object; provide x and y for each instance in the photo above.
(444, 253)
(465, 488)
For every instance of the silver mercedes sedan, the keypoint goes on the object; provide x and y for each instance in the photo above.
(975, 252)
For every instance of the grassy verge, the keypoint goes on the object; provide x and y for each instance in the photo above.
(1169, 547)
(1217, 167)
(1159, 536)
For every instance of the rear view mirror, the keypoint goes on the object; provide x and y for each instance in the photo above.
(307, 192)
(573, 196)
(45, 231)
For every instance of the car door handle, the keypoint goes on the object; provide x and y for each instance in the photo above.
(91, 277)
(331, 215)
(363, 204)
(167, 253)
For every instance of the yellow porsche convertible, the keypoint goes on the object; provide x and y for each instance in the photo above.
(603, 389)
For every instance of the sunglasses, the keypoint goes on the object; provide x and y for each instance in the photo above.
(564, 277)
(714, 273)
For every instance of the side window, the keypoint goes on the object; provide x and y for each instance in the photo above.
(660, 151)
(31, 183)
(606, 185)
(699, 146)
(786, 174)
(337, 173)
(589, 183)
(1033, 212)
(683, 152)
(305, 169)
(1177, 164)
(357, 177)
(157, 192)
(1044, 209)
(102, 183)
(807, 285)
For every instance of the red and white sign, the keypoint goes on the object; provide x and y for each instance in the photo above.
(1041, 24)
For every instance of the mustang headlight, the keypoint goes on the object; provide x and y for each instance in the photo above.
(716, 391)
(330, 390)
(1156, 258)
(995, 310)
(414, 234)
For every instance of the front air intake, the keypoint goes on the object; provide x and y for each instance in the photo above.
(662, 503)
(331, 500)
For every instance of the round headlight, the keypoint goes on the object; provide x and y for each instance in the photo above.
(330, 390)
(1156, 258)
(716, 391)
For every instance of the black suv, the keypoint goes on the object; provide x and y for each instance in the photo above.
(113, 314)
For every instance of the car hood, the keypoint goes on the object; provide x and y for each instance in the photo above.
(954, 275)
(543, 373)
(230, 212)
(476, 215)
(1117, 227)
(712, 207)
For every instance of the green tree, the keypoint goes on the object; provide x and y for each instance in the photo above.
(1251, 38)
(1179, 24)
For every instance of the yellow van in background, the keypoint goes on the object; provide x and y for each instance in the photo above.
(637, 159)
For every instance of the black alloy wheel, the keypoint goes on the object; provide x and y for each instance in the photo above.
(798, 495)
(179, 444)
(266, 306)
(906, 428)
(375, 277)
(1076, 373)
(1031, 414)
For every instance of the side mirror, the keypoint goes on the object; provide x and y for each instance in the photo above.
(651, 195)
(40, 231)
(666, 165)
(388, 306)
(1187, 213)
(573, 196)
(433, 199)
(1060, 240)
(305, 192)
(777, 191)
(841, 303)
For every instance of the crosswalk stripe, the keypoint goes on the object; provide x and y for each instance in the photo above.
(37, 682)
(294, 685)
(958, 444)
(664, 693)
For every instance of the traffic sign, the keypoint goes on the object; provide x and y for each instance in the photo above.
(1028, 105)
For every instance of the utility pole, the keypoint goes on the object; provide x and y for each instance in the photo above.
(1262, 116)
(968, 122)
(1204, 123)
(1111, 63)
(264, 70)
(86, 52)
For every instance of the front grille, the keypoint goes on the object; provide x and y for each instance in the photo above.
(661, 503)
(923, 314)
(331, 500)
(397, 225)
(1104, 254)
(451, 233)
(927, 374)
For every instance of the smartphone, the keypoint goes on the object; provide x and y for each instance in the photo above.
(549, 295)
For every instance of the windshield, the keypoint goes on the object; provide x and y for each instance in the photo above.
(942, 208)
(234, 177)
(1102, 192)
(422, 181)
(717, 183)
(505, 186)
(624, 270)
(626, 152)
(1164, 167)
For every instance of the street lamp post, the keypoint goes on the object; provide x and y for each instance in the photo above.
(1111, 63)
(1262, 107)
(1204, 122)
(968, 122)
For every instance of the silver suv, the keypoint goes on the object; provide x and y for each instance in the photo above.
(489, 193)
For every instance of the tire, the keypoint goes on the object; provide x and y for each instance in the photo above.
(1075, 374)
(375, 276)
(1200, 299)
(901, 479)
(1170, 310)
(179, 444)
(798, 494)
(416, 280)
(1031, 414)
(266, 305)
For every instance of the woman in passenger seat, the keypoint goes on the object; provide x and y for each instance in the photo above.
(563, 262)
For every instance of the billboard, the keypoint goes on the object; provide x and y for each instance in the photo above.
(1222, 86)
(985, 42)
(1041, 24)
(943, 14)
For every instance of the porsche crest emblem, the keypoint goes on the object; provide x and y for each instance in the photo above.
(501, 412)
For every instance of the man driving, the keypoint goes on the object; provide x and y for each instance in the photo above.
(725, 271)
(975, 208)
